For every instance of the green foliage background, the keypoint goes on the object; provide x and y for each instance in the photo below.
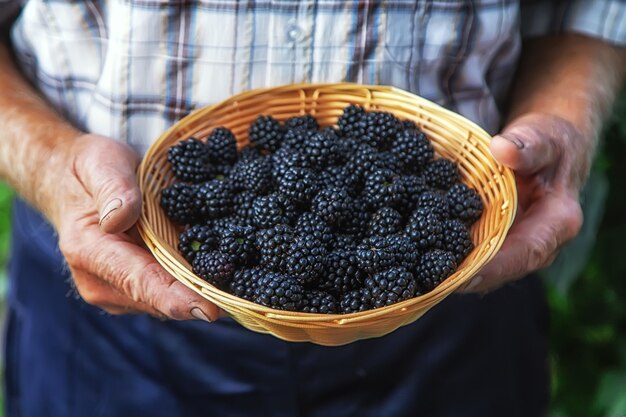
(588, 301)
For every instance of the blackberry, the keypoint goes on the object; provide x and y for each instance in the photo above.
(424, 228)
(266, 133)
(198, 238)
(178, 202)
(273, 245)
(273, 209)
(190, 160)
(222, 146)
(434, 266)
(362, 161)
(306, 259)
(386, 221)
(359, 299)
(342, 273)
(305, 121)
(435, 202)
(320, 302)
(356, 223)
(391, 286)
(343, 241)
(333, 205)
(464, 203)
(219, 225)
(298, 184)
(339, 176)
(242, 203)
(215, 267)
(457, 239)
(253, 175)
(409, 125)
(287, 158)
(381, 129)
(414, 186)
(297, 139)
(323, 149)
(405, 252)
(249, 153)
(280, 291)
(441, 174)
(239, 242)
(245, 282)
(373, 255)
(351, 122)
(214, 199)
(383, 189)
(412, 149)
(312, 225)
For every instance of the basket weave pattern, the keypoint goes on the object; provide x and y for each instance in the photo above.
(453, 137)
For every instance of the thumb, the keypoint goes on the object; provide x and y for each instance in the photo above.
(527, 145)
(108, 172)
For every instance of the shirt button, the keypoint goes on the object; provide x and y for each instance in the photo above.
(295, 32)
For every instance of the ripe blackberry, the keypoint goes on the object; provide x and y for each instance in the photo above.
(435, 202)
(214, 199)
(306, 122)
(342, 273)
(249, 153)
(299, 185)
(245, 282)
(351, 122)
(178, 202)
(363, 161)
(464, 203)
(424, 228)
(339, 176)
(374, 255)
(391, 286)
(273, 245)
(404, 250)
(457, 239)
(242, 203)
(309, 224)
(253, 175)
(297, 139)
(239, 242)
(434, 266)
(413, 150)
(356, 223)
(215, 267)
(320, 302)
(266, 133)
(222, 146)
(409, 125)
(383, 189)
(386, 221)
(190, 160)
(343, 241)
(441, 174)
(359, 299)
(381, 129)
(307, 256)
(323, 149)
(219, 225)
(286, 158)
(333, 205)
(280, 291)
(273, 209)
(198, 238)
(414, 186)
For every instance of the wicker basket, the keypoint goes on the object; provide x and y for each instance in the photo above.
(453, 137)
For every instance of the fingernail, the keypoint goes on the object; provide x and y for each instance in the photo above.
(475, 283)
(113, 205)
(515, 141)
(199, 314)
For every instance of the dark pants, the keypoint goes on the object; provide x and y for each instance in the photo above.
(469, 356)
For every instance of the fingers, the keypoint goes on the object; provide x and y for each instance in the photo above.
(532, 243)
(107, 171)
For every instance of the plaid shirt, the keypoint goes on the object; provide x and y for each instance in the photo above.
(130, 68)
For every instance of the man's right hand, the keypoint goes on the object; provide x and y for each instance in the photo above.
(94, 206)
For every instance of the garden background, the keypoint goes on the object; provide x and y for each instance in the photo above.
(586, 290)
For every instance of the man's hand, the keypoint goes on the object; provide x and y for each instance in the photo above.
(96, 204)
(550, 162)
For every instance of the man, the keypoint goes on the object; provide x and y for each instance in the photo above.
(92, 83)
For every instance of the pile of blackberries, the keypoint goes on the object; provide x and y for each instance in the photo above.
(321, 220)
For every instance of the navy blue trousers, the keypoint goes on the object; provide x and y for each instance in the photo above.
(470, 356)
